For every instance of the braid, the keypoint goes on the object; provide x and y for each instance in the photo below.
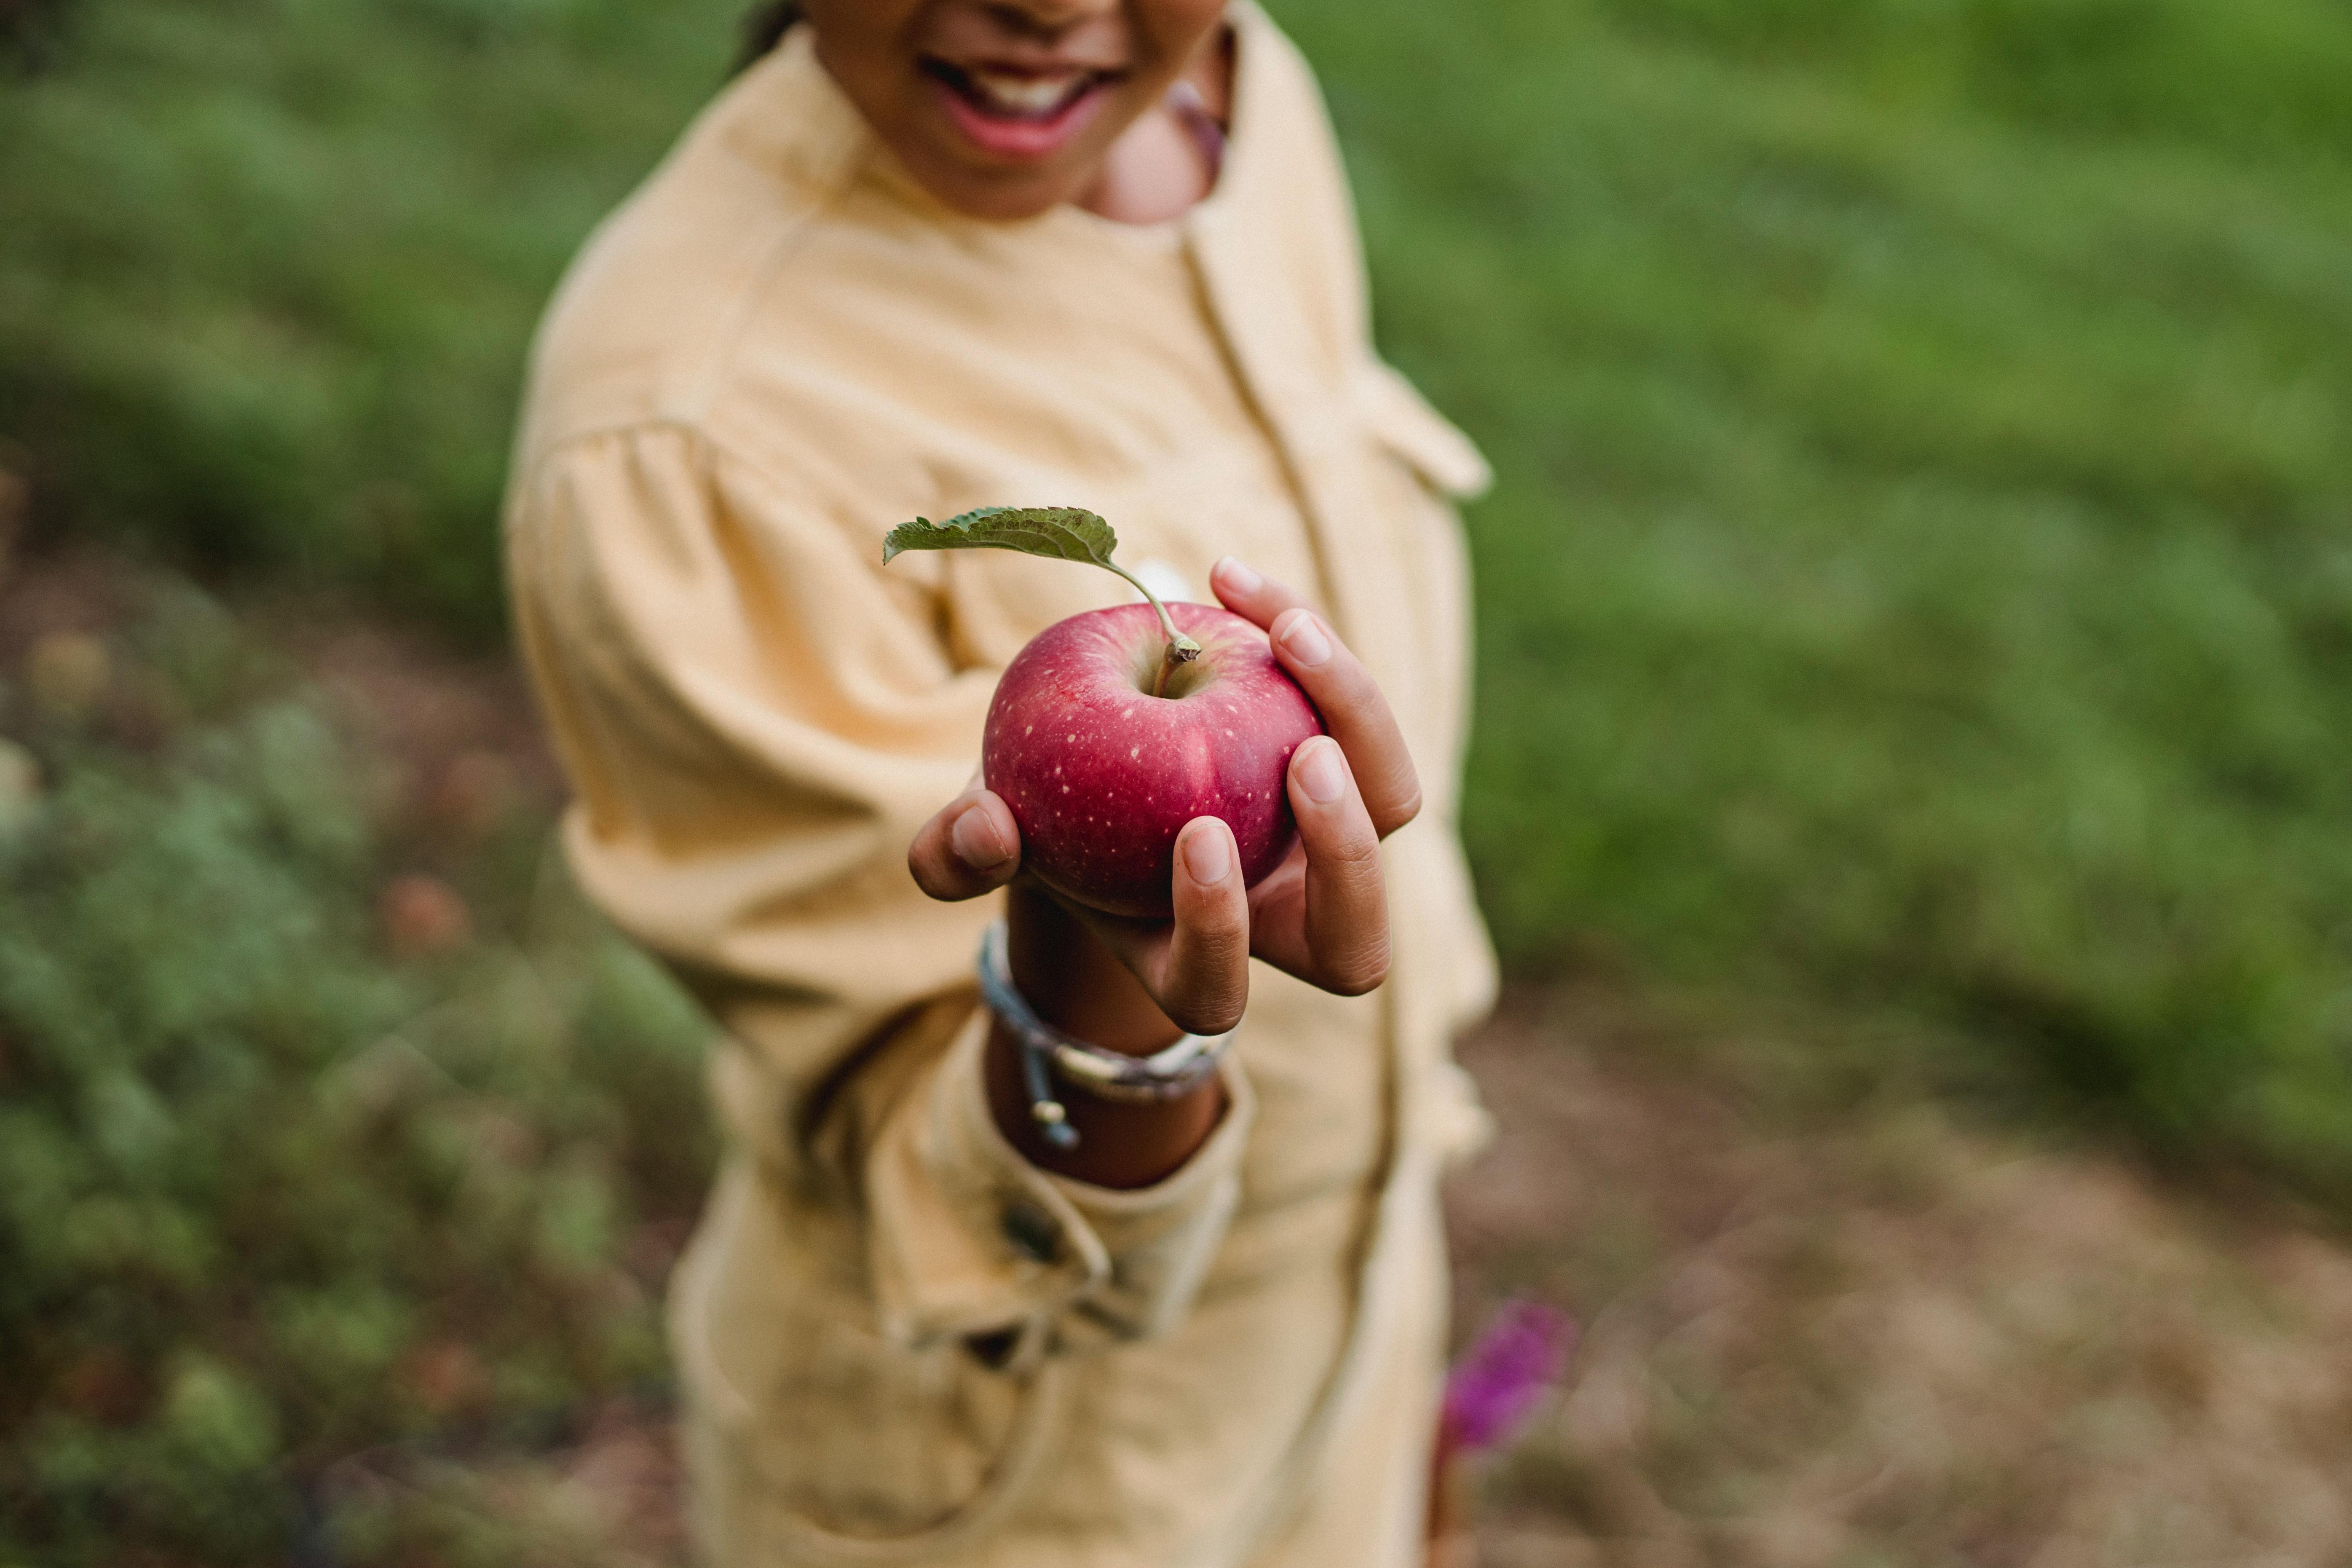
(768, 22)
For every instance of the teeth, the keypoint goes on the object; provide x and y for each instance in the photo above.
(1028, 95)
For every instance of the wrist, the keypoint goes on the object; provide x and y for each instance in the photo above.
(1119, 1145)
(1076, 984)
(1117, 1119)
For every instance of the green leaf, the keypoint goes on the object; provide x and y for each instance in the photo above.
(1056, 532)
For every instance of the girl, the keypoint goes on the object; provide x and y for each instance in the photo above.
(927, 255)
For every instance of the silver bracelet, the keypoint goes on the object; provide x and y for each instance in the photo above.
(1045, 1051)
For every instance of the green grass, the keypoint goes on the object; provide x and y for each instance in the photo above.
(270, 1194)
(270, 266)
(1921, 575)
(1921, 572)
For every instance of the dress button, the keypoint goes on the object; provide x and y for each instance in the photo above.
(1031, 1231)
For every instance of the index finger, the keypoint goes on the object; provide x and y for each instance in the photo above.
(1250, 593)
(1339, 685)
(970, 846)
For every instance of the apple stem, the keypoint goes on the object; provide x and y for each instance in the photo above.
(1180, 649)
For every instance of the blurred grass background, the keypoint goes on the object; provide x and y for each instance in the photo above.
(1922, 568)
(1919, 589)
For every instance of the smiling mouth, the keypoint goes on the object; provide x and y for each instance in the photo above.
(1017, 97)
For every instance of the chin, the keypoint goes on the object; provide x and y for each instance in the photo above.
(998, 197)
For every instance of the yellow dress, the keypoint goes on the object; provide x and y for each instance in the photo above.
(780, 347)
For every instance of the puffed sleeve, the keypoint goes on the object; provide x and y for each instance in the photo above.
(756, 718)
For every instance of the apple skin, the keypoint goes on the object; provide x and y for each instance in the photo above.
(1100, 774)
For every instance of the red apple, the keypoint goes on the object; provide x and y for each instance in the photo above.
(1100, 774)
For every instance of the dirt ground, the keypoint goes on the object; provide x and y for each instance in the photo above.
(1888, 1338)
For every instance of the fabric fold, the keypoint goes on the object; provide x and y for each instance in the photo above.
(969, 1238)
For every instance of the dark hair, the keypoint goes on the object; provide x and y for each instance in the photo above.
(768, 22)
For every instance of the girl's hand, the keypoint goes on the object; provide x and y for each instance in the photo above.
(1322, 915)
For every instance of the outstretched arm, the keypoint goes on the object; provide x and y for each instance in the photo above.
(1135, 985)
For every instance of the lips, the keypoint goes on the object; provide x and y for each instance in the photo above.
(1018, 114)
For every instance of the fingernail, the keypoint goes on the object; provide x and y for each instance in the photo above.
(1306, 641)
(1321, 772)
(977, 842)
(1240, 577)
(1207, 856)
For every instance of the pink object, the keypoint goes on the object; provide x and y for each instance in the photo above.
(1498, 1380)
(1100, 774)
